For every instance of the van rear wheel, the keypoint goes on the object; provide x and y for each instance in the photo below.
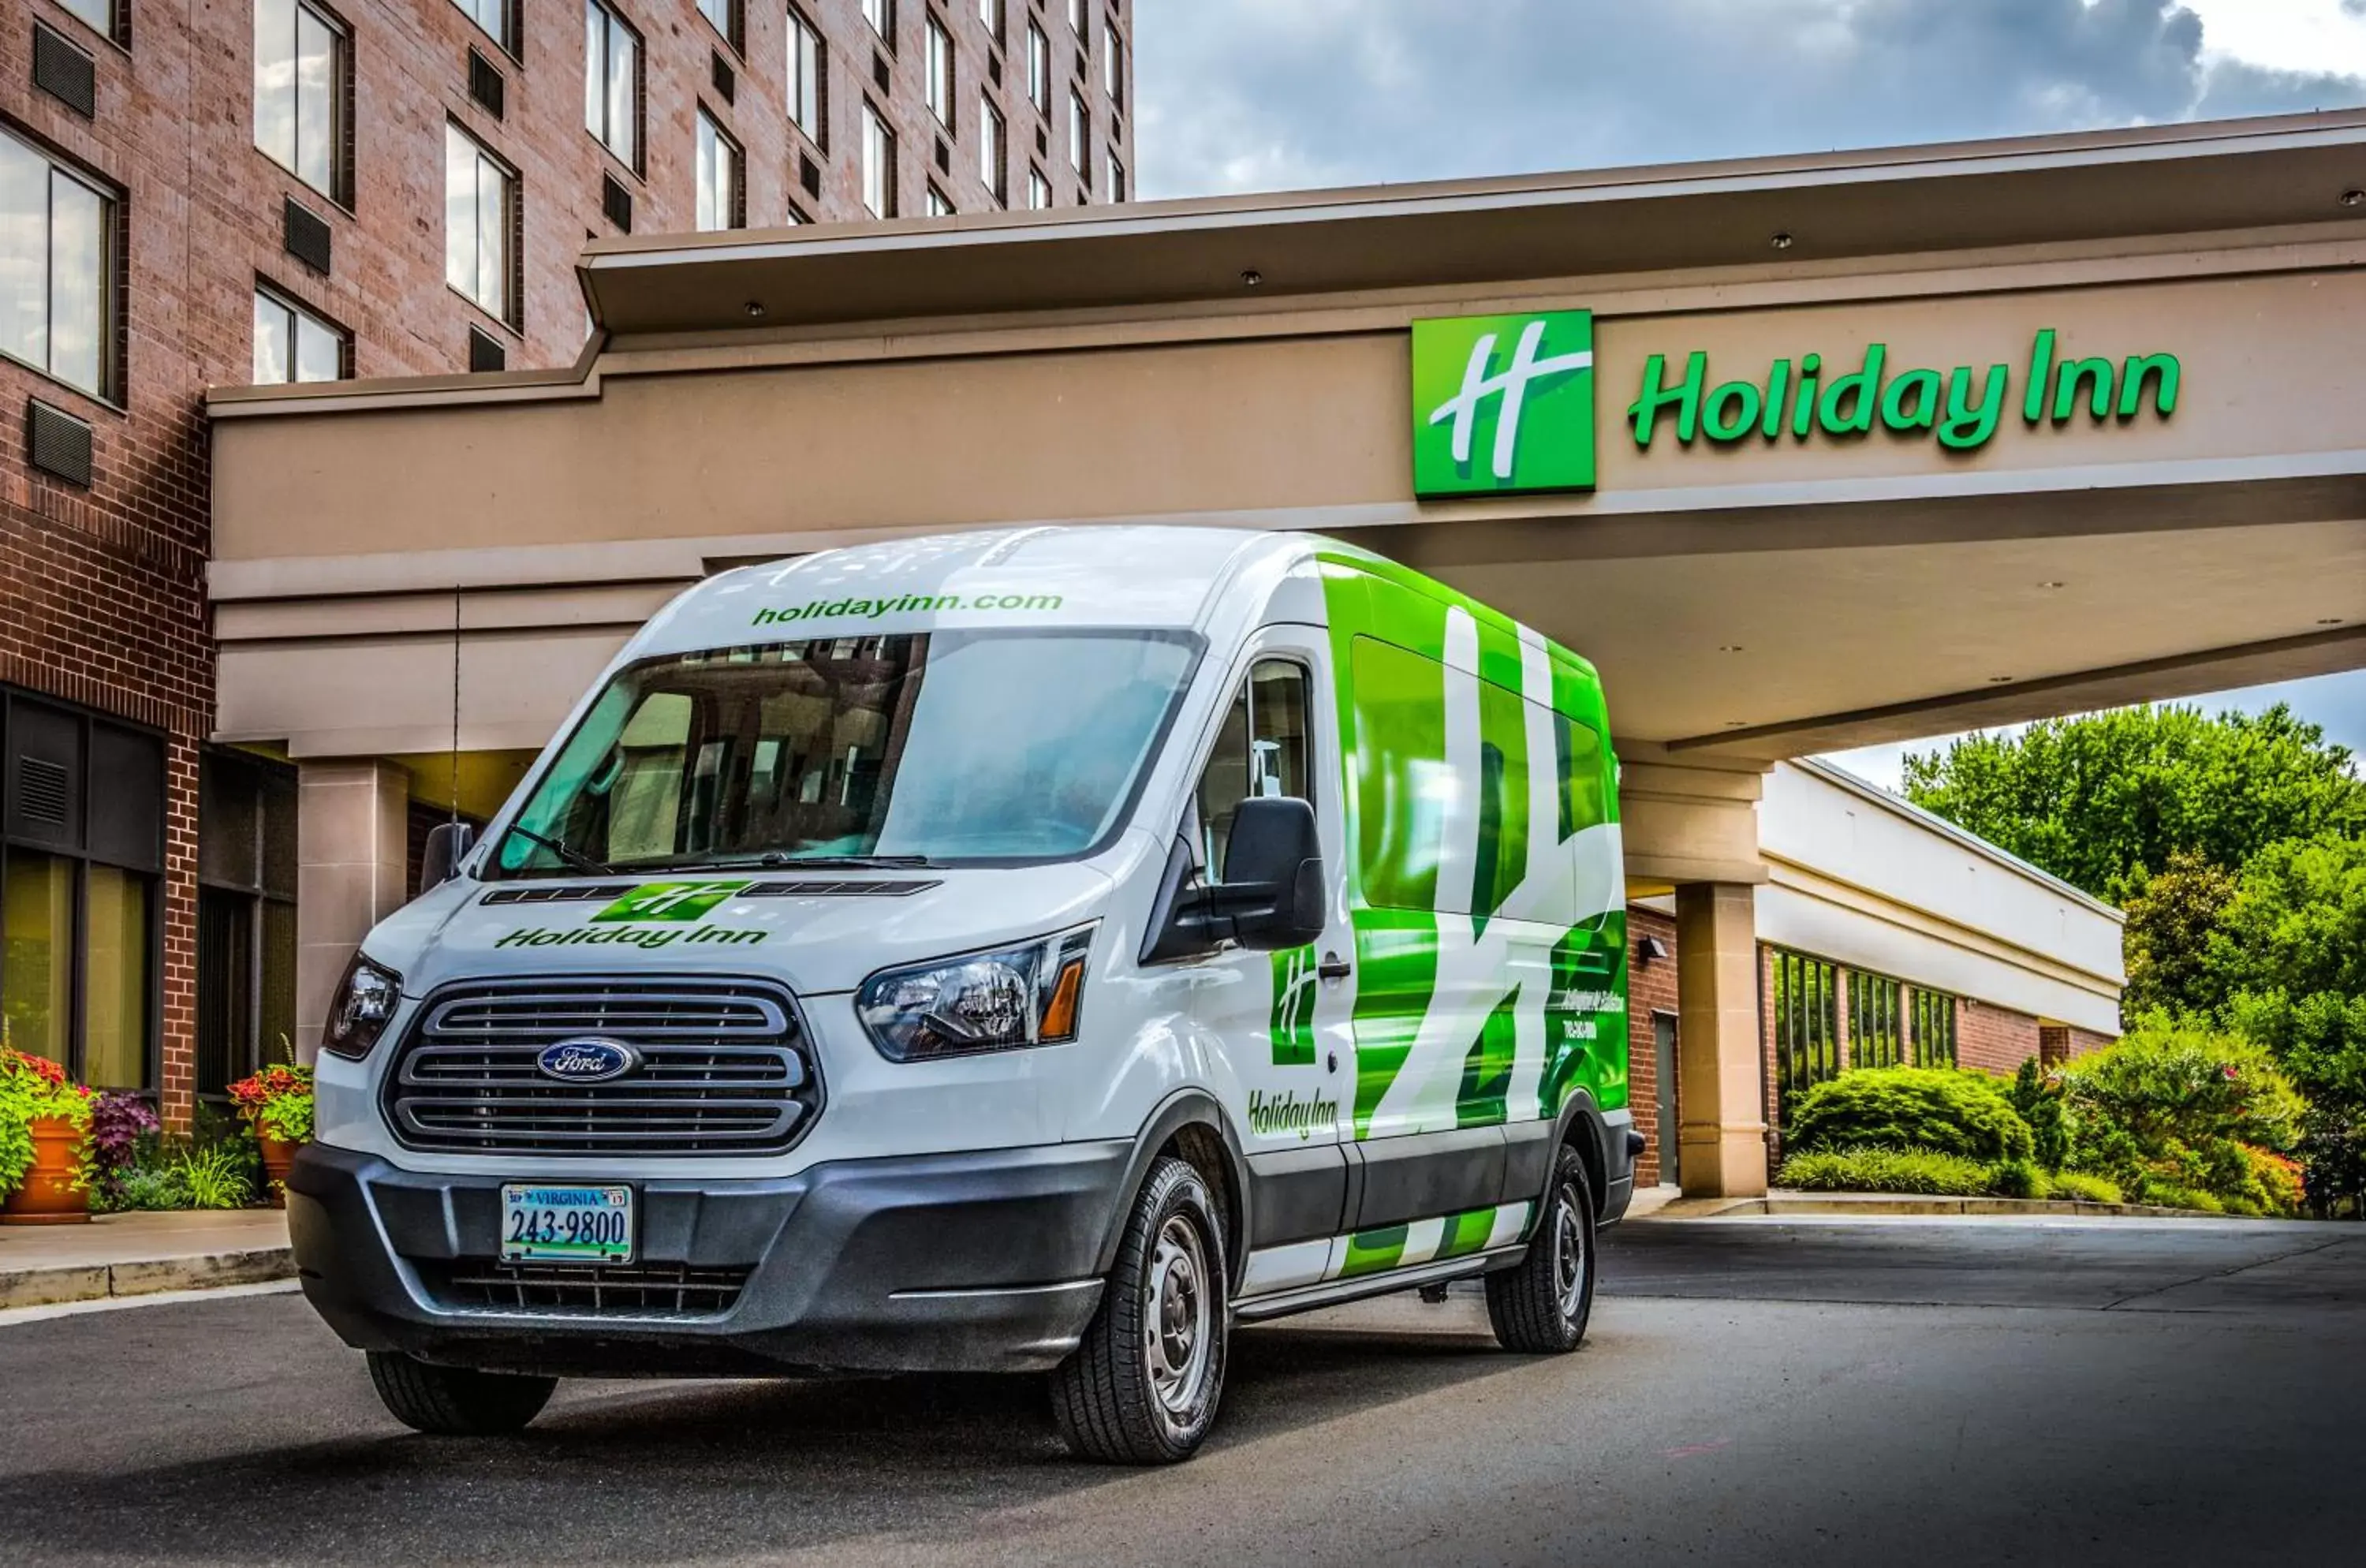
(1540, 1306)
(1141, 1387)
(455, 1402)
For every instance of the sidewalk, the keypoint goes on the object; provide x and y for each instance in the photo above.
(1895, 1205)
(137, 1255)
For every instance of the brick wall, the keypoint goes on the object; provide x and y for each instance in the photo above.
(1650, 989)
(1993, 1039)
(102, 590)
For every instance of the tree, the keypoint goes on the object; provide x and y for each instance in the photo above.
(2104, 800)
(2170, 919)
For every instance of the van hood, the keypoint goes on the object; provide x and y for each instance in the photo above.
(814, 930)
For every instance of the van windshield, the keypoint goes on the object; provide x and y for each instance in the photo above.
(935, 748)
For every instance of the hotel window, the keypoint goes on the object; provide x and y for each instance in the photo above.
(1113, 67)
(806, 68)
(1080, 136)
(990, 13)
(993, 160)
(82, 849)
(293, 345)
(940, 74)
(302, 92)
(57, 248)
(1039, 189)
(611, 83)
(1117, 179)
(496, 19)
(480, 224)
(1080, 22)
(940, 204)
(99, 13)
(724, 18)
(1875, 1031)
(878, 164)
(1933, 1024)
(881, 14)
(721, 181)
(1806, 1022)
(1038, 69)
(246, 916)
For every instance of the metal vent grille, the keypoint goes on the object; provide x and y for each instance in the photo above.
(721, 1069)
(945, 158)
(64, 71)
(881, 75)
(994, 68)
(57, 444)
(651, 1291)
(485, 352)
(616, 202)
(725, 83)
(305, 233)
(809, 174)
(485, 83)
(42, 792)
(1042, 142)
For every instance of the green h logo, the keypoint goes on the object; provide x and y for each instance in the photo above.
(1503, 404)
(668, 901)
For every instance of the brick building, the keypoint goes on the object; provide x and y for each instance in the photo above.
(286, 190)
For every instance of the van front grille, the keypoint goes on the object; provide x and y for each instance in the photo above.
(717, 1068)
(609, 1291)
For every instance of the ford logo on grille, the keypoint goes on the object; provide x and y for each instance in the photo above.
(587, 1059)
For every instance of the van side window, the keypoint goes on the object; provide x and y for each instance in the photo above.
(1264, 748)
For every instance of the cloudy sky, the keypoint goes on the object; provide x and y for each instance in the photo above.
(1274, 95)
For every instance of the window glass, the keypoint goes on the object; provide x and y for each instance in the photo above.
(36, 960)
(53, 268)
(881, 14)
(878, 164)
(1261, 750)
(491, 17)
(293, 345)
(1117, 180)
(99, 13)
(1080, 18)
(1039, 189)
(718, 176)
(719, 16)
(299, 91)
(805, 76)
(990, 13)
(117, 994)
(1807, 1029)
(991, 162)
(1080, 134)
(940, 74)
(1038, 69)
(477, 196)
(940, 204)
(612, 82)
(1113, 67)
(951, 745)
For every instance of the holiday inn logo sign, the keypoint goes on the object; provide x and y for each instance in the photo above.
(1504, 405)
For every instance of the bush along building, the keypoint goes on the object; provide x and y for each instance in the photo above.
(294, 191)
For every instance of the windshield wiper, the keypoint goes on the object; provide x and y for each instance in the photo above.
(575, 859)
(776, 860)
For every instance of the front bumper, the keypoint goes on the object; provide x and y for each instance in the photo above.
(955, 1262)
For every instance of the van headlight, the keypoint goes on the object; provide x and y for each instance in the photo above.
(1012, 997)
(360, 1008)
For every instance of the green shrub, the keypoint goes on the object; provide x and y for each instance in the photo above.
(2036, 1098)
(1918, 1171)
(2173, 1111)
(2020, 1178)
(2086, 1189)
(1938, 1108)
(177, 1174)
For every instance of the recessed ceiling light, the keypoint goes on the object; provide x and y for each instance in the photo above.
(1729, 648)
(2353, 198)
(1251, 279)
(755, 308)
(1998, 680)
(2328, 620)
(1736, 724)
(2049, 585)
(1783, 241)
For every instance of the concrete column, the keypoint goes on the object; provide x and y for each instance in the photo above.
(1720, 1071)
(352, 846)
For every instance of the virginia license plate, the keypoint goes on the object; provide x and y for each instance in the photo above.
(566, 1224)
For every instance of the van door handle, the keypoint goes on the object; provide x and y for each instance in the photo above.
(1334, 967)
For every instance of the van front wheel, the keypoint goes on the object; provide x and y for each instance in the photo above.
(1539, 1307)
(455, 1402)
(1143, 1386)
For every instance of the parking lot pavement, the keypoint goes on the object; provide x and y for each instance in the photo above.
(1761, 1391)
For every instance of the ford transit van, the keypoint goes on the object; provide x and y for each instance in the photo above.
(1036, 951)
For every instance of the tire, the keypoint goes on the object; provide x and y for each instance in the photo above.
(1539, 1306)
(456, 1402)
(1143, 1386)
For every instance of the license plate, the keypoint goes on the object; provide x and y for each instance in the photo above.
(566, 1224)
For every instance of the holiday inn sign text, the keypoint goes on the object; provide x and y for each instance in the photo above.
(1504, 405)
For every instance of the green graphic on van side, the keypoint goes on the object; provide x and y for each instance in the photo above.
(1486, 882)
(1293, 1023)
(670, 901)
(1503, 404)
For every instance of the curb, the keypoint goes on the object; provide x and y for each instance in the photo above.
(1907, 1206)
(146, 1277)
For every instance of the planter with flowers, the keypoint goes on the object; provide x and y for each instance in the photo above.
(44, 1143)
(277, 1103)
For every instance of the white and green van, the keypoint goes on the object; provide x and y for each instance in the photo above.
(1034, 951)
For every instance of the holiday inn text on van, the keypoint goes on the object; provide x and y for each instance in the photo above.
(1032, 951)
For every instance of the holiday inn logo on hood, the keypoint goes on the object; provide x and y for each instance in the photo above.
(661, 904)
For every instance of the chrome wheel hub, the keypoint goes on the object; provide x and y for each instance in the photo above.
(1179, 1324)
(1569, 1252)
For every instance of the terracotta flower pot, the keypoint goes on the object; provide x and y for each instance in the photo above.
(278, 1155)
(50, 1195)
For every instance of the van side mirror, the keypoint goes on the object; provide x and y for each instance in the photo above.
(1272, 891)
(448, 844)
